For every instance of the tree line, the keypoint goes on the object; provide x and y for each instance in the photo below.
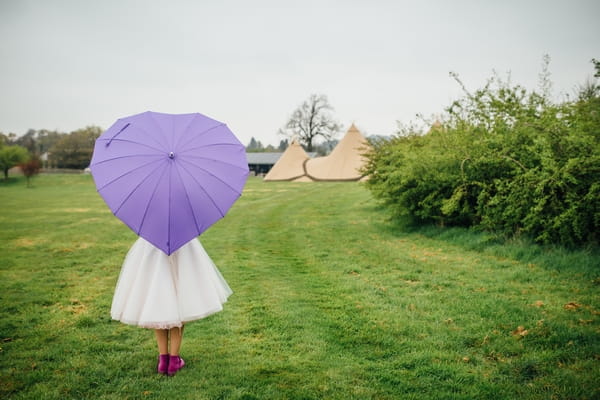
(51, 149)
(256, 146)
(321, 149)
(503, 159)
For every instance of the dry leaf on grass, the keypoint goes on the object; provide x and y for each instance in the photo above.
(571, 306)
(520, 331)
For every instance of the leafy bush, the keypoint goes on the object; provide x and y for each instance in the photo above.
(31, 168)
(11, 156)
(503, 159)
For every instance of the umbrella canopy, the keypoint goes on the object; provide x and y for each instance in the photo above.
(169, 177)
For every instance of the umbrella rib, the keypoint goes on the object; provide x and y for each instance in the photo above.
(185, 130)
(140, 143)
(213, 175)
(151, 198)
(188, 198)
(215, 160)
(204, 190)
(211, 145)
(161, 145)
(170, 167)
(116, 158)
(160, 129)
(126, 173)
(203, 133)
(135, 189)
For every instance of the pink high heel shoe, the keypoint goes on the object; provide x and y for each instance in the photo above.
(175, 364)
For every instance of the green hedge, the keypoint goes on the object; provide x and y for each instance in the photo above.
(503, 159)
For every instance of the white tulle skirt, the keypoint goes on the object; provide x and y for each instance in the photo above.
(161, 292)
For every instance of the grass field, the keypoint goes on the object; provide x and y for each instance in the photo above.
(331, 301)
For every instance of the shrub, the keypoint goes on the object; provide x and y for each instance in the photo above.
(31, 168)
(503, 159)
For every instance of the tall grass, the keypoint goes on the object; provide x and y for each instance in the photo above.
(330, 301)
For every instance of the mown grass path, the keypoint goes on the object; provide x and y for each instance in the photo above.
(330, 302)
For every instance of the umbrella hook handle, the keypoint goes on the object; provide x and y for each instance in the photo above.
(115, 135)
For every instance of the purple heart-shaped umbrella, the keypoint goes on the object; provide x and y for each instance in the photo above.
(169, 176)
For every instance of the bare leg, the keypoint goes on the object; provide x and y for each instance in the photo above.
(176, 338)
(162, 339)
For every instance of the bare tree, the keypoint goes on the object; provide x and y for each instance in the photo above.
(310, 120)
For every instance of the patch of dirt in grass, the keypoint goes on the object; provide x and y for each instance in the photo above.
(27, 242)
(86, 221)
(75, 306)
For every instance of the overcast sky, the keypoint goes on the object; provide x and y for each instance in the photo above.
(68, 64)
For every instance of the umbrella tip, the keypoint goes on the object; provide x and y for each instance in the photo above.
(171, 155)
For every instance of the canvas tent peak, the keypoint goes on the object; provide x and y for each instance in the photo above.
(344, 162)
(290, 165)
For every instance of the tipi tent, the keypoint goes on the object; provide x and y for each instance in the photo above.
(344, 162)
(290, 165)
